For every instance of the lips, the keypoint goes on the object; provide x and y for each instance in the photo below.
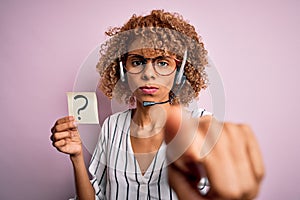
(148, 89)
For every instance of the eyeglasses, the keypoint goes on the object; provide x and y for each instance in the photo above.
(162, 65)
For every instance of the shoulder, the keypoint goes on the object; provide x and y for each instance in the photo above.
(117, 118)
(116, 122)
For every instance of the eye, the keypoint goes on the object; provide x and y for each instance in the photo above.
(136, 63)
(162, 63)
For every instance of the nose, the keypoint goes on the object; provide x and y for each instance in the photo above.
(148, 72)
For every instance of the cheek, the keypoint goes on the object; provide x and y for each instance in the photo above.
(133, 82)
(170, 81)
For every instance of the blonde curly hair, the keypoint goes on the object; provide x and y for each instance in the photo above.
(164, 32)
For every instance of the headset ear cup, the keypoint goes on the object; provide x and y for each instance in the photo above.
(179, 74)
(180, 77)
(177, 86)
(180, 85)
(122, 76)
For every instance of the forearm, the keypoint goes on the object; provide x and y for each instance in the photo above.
(84, 188)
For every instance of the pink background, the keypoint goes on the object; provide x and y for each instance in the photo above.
(254, 44)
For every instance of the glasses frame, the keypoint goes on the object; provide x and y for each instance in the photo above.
(177, 63)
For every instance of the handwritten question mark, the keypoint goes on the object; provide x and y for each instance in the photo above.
(84, 106)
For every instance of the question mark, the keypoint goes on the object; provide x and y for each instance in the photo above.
(83, 107)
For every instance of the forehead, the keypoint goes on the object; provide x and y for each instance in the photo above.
(149, 53)
(147, 48)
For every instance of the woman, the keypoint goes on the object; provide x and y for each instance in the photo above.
(157, 63)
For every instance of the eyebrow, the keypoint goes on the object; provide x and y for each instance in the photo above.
(140, 56)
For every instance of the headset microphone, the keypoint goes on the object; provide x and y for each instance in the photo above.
(152, 103)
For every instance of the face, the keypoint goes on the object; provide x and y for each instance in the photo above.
(150, 75)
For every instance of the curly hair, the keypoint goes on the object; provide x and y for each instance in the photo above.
(164, 32)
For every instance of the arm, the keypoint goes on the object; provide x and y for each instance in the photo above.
(66, 139)
(228, 152)
(84, 188)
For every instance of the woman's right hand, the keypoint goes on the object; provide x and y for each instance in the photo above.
(65, 136)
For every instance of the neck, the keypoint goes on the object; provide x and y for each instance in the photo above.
(147, 121)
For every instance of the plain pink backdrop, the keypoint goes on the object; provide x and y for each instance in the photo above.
(254, 44)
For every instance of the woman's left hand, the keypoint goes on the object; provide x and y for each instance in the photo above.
(228, 152)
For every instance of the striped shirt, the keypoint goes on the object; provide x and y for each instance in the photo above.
(115, 170)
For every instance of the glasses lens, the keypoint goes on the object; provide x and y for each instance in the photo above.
(162, 65)
(135, 64)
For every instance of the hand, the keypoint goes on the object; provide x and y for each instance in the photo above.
(232, 159)
(65, 137)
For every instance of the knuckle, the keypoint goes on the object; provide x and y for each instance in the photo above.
(58, 128)
(52, 137)
(234, 193)
(71, 125)
(246, 128)
(227, 131)
(55, 144)
(55, 137)
(227, 127)
(53, 129)
(260, 175)
(250, 191)
(247, 191)
(236, 132)
(59, 143)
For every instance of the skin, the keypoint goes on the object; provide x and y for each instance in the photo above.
(66, 139)
(147, 133)
(233, 165)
